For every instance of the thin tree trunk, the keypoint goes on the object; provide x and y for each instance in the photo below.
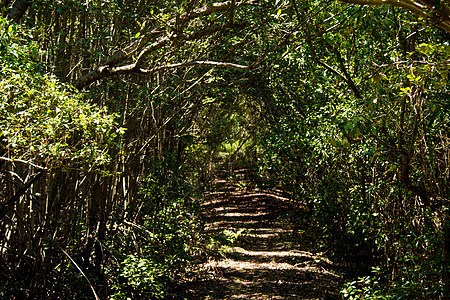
(18, 10)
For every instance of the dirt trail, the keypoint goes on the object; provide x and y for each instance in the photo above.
(268, 259)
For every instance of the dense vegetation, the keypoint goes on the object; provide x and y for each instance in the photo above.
(115, 115)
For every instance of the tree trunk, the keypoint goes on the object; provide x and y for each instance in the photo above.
(18, 10)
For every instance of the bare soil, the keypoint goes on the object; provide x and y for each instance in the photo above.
(271, 258)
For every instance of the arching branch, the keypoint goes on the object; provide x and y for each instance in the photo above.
(198, 63)
(423, 8)
(157, 39)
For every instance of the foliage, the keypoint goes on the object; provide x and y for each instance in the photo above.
(45, 121)
(143, 277)
(164, 241)
(364, 288)
(345, 108)
(366, 163)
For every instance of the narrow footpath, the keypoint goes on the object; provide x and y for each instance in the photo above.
(269, 257)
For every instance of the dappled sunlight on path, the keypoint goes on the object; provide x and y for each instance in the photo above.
(268, 260)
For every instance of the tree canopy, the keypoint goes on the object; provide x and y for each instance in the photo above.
(116, 115)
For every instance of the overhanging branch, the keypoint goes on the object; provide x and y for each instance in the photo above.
(216, 64)
(423, 8)
(161, 37)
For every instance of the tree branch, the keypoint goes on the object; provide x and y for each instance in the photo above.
(7, 206)
(107, 70)
(23, 161)
(197, 63)
(142, 47)
(346, 76)
(439, 16)
(18, 10)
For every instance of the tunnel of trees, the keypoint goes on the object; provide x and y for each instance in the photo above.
(116, 115)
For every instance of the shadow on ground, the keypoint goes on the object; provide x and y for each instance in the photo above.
(271, 258)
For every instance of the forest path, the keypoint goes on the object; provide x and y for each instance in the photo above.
(268, 258)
